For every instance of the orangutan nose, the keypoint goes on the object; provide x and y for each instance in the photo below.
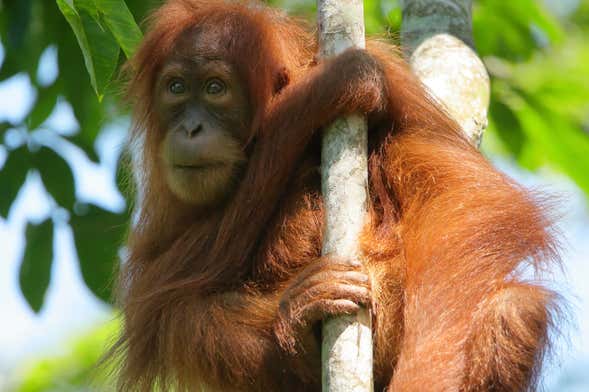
(193, 131)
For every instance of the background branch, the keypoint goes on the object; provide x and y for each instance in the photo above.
(437, 37)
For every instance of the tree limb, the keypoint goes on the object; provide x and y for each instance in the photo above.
(347, 340)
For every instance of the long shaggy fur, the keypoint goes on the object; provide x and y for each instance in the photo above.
(446, 234)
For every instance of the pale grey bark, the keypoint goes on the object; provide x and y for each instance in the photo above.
(437, 34)
(347, 341)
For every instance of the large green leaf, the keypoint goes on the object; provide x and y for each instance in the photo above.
(121, 23)
(35, 269)
(12, 176)
(99, 47)
(56, 175)
(98, 236)
(89, 112)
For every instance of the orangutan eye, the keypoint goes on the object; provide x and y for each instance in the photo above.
(215, 87)
(177, 87)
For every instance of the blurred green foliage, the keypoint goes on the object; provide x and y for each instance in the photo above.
(539, 113)
(92, 38)
(74, 370)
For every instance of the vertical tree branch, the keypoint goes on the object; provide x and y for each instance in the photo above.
(347, 341)
(437, 34)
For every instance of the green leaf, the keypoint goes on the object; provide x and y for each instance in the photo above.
(98, 235)
(35, 269)
(99, 47)
(12, 176)
(85, 140)
(19, 23)
(46, 100)
(57, 176)
(78, 92)
(121, 23)
(25, 34)
(507, 126)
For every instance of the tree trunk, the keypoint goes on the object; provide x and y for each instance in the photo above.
(437, 35)
(347, 340)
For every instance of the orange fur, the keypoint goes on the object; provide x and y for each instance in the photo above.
(445, 237)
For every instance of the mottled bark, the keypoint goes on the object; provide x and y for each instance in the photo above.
(437, 37)
(347, 341)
